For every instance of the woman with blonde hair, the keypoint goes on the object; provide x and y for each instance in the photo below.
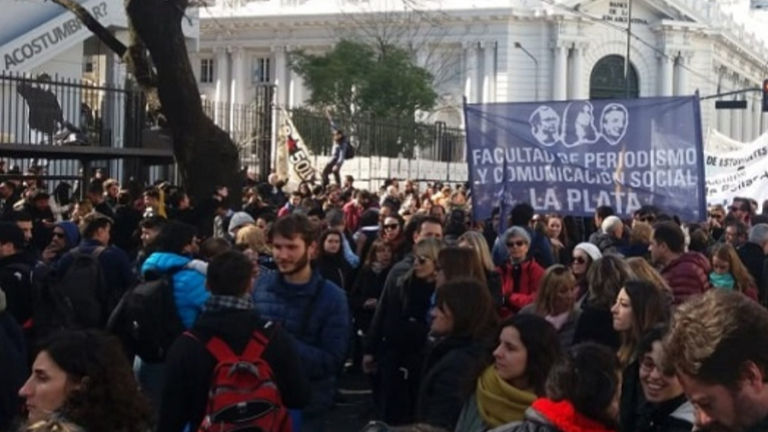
(728, 272)
(476, 241)
(251, 238)
(556, 302)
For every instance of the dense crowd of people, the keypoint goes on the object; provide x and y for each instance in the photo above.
(136, 309)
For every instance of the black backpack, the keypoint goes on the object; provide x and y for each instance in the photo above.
(349, 152)
(74, 299)
(146, 319)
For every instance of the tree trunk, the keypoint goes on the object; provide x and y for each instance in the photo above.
(206, 155)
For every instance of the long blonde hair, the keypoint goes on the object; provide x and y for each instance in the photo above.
(555, 277)
(480, 246)
(642, 270)
(253, 238)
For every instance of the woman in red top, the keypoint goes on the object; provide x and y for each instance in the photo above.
(520, 276)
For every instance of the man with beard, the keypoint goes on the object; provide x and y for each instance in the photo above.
(311, 309)
(718, 344)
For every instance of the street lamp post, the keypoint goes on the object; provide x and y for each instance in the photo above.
(535, 62)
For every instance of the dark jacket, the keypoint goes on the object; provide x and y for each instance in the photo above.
(687, 275)
(596, 325)
(493, 278)
(115, 266)
(632, 398)
(606, 243)
(540, 249)
(200, 216)
(13, 369)
(336, 269)
(124, 231)
(189, 366)
(447, 380)
(566, 332)
(638, 250)
(15, 281)
(675, 415)
(322, 345)
(368, 285)
(754, 260)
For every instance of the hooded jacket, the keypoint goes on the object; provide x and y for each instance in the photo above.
(188, 283)
(546, 415)
(687, 275)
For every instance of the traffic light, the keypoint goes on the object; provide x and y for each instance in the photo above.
(765, 96)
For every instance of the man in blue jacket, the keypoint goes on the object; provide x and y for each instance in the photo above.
(311, 309)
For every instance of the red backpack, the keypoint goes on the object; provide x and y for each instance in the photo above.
(243, 395)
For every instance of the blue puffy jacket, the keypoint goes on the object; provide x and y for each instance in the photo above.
(323, 347)
(188, 284)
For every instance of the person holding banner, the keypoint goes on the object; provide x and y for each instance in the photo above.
(338, 153)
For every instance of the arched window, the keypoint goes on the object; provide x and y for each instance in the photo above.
(607, 79)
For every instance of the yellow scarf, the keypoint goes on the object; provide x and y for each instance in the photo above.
(498, 402)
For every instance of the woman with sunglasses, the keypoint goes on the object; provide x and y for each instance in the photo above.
(392, 234)
(398, 335)
(584, 254)
(556, 302)
(520, 275)
(728, 272)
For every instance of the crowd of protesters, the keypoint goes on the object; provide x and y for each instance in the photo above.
(534, 323)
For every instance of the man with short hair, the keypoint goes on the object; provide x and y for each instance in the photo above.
(687, 273)
(741, 209)
(229, 315)
(15, 273)
(313, 311)
(718, 344)
(115, 265)
(96, 197)
(736, 233)
(65, 236)
(355, 208)
(610, 238)
(601, 213)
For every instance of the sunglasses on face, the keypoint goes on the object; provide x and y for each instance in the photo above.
(421, 259)
(58, 234)
(518, 243)
(579, 260)
(391, 226)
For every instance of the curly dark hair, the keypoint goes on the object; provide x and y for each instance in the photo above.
(108, 398)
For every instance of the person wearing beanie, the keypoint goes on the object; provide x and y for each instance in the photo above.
(66, 235)
(239, 220)
(584, 254)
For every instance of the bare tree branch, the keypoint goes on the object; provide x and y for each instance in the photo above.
(94, 26)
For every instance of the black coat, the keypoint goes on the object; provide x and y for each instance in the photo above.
(632, 398)
(368, 285)
(337, 270)
(13, 370)
(450, 370)
(596, 325)
(189, 366)
(754, 260)
(15, 281)
(675, 415)
(494, 286)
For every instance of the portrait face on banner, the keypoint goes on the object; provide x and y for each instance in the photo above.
(614, 123)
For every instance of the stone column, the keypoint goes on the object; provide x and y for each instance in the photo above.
(489, 71)
(576, 88)
(281, 75)
(239, 76)
(747, 135)
(471, 72)
(681, 74)
(222, 84)
(559, 84)
(666, 75)
(756, 111)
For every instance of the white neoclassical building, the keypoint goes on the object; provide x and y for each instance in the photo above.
(502, 50)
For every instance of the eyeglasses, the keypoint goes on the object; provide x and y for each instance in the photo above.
(421, 259)
(391, 226)
(579, 260)
(647, 219)
(518, 243)
(58, 234)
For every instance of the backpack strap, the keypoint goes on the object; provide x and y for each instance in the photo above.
(221, 351)
(255, 348)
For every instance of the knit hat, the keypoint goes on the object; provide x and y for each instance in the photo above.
(589, 249)
(71, 232)
(11, 233)
(238, 220)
